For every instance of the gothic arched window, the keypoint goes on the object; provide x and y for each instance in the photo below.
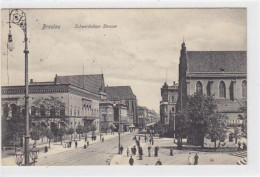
(222, 89)
(42, 110)
(199, 87)
(244, 89)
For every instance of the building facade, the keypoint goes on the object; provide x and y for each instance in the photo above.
(168, 104)
(219, 73)
(124, 96)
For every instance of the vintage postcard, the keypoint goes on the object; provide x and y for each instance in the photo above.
(133, 87)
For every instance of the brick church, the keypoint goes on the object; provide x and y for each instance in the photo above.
(222, 73)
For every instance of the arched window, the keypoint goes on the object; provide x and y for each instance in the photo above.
(62, 111)
(222, 89)
(5, 110)
(199, 88)
(52, 111)
(42, 110)
(244, 89)
(33, 111)
(14, 109)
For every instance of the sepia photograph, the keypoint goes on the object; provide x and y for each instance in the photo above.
(132, 87)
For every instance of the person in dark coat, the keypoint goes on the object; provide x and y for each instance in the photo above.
(69, 143)
(139, 138)
(150, 140)
(171, 151)
(76, 144)
(140, 153)
(145, 138)
(131, 161)
(149, 151)
(239, 145)
(158, 162)
(127, 152)
(196, 159)
(134, 149)
(121, 149)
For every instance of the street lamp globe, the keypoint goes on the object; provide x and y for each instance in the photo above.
(19, 157)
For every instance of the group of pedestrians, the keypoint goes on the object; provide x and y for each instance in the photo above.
(196, 159)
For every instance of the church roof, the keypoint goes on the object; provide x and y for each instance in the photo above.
(92, 83)
(226, 105)
(119, 92)
(217, 61)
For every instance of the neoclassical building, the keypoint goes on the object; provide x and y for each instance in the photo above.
(221, 73)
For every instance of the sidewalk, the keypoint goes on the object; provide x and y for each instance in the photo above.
(58, 148)
(180, 157)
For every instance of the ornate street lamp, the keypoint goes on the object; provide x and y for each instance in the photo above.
(19, 157)
(34, 154)
(18, 17)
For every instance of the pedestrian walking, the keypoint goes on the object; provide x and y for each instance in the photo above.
(139, 138)
(156, 149)
(150, 140)
(69, 143)
(149, 151)
(140, 153)
(189, 159)
(145, 138)
(158, 162)
(134, 149)
(87, 143)
(131, 161)
(196, 159)
(103, 139)
(76, 144)
(127, 152)
(171, 151)
(121, 149)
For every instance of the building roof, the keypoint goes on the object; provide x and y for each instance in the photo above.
(119, 92)
(92, 83)
(226, 105)
(217, 61)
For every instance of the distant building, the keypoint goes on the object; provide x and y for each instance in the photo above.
(142, 116)
(124, 96)
(222, 73)
(168, 104)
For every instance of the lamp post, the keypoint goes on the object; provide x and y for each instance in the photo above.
(18, 17)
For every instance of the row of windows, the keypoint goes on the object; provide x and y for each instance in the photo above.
(222, 89)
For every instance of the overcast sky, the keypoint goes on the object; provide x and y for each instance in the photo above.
(145, 43)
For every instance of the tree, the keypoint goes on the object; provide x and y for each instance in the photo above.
(35, 134)
(80, 129)
(50, 136)
(61, 132)
(42, 131)
(217, 128)
(202, 119)
(158, 128)
(70, 131)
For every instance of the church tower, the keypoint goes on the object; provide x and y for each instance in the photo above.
(182, 91)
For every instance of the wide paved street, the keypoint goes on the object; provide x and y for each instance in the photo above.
(99, 153)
